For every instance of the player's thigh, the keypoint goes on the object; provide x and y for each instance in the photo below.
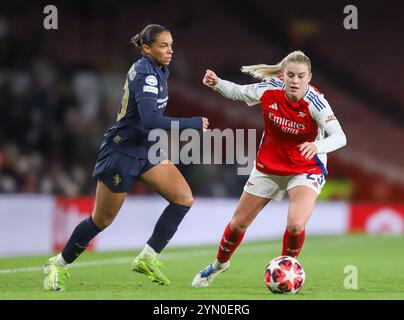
(166, 180)
(302, 200)
(107, 205)
(247, 209)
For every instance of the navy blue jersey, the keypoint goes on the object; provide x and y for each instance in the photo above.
(145, 97)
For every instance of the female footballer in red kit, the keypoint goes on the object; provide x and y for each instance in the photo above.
(300, 129)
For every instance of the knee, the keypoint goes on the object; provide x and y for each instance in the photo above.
(295, 227)
(185, 199)
(238, 226)
(103, 220)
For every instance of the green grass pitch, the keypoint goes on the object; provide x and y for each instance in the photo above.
(379, 261)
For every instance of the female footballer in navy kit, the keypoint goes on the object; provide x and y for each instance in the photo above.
(123, 158)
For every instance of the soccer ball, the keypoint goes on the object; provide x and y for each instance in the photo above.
(284, 274)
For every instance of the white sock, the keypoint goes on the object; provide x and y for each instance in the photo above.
(148, 252)
(218, 265)
(60, 261)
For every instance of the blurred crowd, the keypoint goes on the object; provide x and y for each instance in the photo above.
(53, 116)
(51, 125)
(60, 90)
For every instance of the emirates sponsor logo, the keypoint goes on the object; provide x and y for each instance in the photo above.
(287, 125)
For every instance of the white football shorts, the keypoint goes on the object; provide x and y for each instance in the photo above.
(275, 187)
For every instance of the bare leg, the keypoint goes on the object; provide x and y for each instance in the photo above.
(167, 180)
(247, 209)
(107, 205)
(302, 201)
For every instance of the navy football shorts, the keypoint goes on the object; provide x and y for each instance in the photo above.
(117, 170)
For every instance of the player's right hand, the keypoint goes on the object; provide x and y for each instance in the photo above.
(210, 79)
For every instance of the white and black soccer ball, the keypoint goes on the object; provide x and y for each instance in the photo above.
(284, 274)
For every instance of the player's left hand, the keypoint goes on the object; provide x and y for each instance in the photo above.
(308, 150)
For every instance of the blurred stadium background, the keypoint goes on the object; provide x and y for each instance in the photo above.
(60, 90)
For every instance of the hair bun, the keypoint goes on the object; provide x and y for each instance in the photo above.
(136, 40)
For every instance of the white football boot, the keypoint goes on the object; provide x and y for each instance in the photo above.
(206, 275)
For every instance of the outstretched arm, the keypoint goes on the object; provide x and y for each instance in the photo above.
(146, 98)
(250, 94)
(151, 119)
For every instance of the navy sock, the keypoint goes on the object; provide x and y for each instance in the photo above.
(79, 239)
(166, 226)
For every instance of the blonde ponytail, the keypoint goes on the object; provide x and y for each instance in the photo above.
(265, 71)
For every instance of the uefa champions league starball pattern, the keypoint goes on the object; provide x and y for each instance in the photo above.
(284, 274)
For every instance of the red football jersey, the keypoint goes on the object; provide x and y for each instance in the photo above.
(287, 125)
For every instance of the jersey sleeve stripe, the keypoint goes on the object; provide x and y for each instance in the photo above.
(279, 82)
(316, 101)
(275, 83)
(272, 82)
(323, 106)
